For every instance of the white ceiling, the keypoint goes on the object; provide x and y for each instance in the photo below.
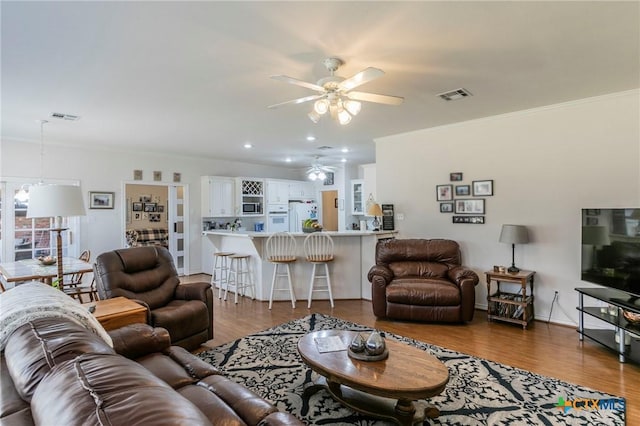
(192, 78)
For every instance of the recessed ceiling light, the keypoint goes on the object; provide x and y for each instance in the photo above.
(248, 145)
(344, 160)
(311, 138)
(345, 150)
(288, 159)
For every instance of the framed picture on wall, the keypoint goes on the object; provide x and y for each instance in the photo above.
(482, 188)
(455, 177)
(444, 192)
(101, 200)
(470, 206)
(446, 207)
(136, 206)
(463, 190)
(150, 207)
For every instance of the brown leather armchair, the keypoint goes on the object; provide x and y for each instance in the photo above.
(422, 280)
(148, 276)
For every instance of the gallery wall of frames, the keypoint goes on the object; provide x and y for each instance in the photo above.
(465, 200)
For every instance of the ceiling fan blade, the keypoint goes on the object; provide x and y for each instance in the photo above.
(297, 101)
(297, 82)
(373, 97)
(362, 77)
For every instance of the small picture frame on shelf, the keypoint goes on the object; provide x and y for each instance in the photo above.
(463, 190)
(101, 200)
(482, 188)
(444, 192)
(455, 176)
(446, 207)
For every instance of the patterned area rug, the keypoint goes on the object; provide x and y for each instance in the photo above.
(479, 392)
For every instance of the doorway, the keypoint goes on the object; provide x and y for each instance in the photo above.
(330, 210)
(160, 206)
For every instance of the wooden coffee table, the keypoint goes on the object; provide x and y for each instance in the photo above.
(118, 312)
(386, 389)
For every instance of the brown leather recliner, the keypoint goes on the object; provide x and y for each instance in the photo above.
(422, 280)
(148, 276)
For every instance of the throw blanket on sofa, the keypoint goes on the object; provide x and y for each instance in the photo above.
(34, 300)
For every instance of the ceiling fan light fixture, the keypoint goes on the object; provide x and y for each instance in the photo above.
(353, 107)
(321, 106)
(314, 116)
(344, 117)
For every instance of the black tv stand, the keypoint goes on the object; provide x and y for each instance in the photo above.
(621, 327)
(632, 302)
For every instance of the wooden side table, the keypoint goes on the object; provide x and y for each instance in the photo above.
(118, 312)
(516, 308)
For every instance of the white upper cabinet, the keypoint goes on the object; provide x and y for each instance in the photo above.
(218, 196)
(277, 192)
(302, 190)
(358, 198)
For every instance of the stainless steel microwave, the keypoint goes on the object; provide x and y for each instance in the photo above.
(255, 208)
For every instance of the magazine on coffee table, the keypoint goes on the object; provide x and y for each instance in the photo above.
(331, 344)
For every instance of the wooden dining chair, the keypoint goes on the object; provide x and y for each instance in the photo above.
(74, 288)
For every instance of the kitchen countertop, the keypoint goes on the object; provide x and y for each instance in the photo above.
(252, 234)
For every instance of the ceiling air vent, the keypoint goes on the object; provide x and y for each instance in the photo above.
(68, 117)
(324, 147)
(455, 94)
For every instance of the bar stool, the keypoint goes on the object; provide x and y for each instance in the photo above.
(240, 277)
(281, 251)
(318, 249)
(220, 270)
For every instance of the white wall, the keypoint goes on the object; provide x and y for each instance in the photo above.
(547, 164)
(100, 170)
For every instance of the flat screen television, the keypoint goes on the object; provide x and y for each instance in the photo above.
(611, 250)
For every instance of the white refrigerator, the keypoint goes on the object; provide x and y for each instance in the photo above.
(299, 212)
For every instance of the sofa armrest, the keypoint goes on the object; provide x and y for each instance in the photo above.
(280, 418)
(460, 274)
(193, 291)
(193, 365)
(382, 271)
(136, 340)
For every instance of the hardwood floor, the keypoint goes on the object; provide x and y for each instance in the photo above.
(548, 349)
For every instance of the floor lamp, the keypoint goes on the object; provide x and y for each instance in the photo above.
(55, 201)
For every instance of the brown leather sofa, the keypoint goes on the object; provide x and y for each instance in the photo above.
(55, 372)
(148, 276)
(422, 280)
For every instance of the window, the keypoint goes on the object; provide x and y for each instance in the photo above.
(26, 238)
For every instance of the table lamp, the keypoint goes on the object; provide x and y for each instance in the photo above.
(596, 236)
(514, 234)
(55, 201)
(375, 211)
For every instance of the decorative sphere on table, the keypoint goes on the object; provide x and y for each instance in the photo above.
(375, 344)
(357, 344)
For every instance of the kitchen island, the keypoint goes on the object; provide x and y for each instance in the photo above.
(354, 255)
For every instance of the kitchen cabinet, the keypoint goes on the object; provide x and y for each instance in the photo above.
(218, 196)
(358, 200)
(302, 190)
(251, 196)
(277, 192)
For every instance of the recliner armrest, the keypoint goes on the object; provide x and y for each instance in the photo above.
(459, 274)
(136, 340)
(382, 271)
(193, 291)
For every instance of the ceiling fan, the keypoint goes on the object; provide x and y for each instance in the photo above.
(336, 93)
(318, 171)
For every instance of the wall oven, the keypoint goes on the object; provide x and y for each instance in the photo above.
(278, 221)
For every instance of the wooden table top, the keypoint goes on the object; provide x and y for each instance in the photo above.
(115, 307)
(31, 269)
(408, 372)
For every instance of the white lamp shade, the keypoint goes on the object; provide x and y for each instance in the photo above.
(514, 234)
(55, 201)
